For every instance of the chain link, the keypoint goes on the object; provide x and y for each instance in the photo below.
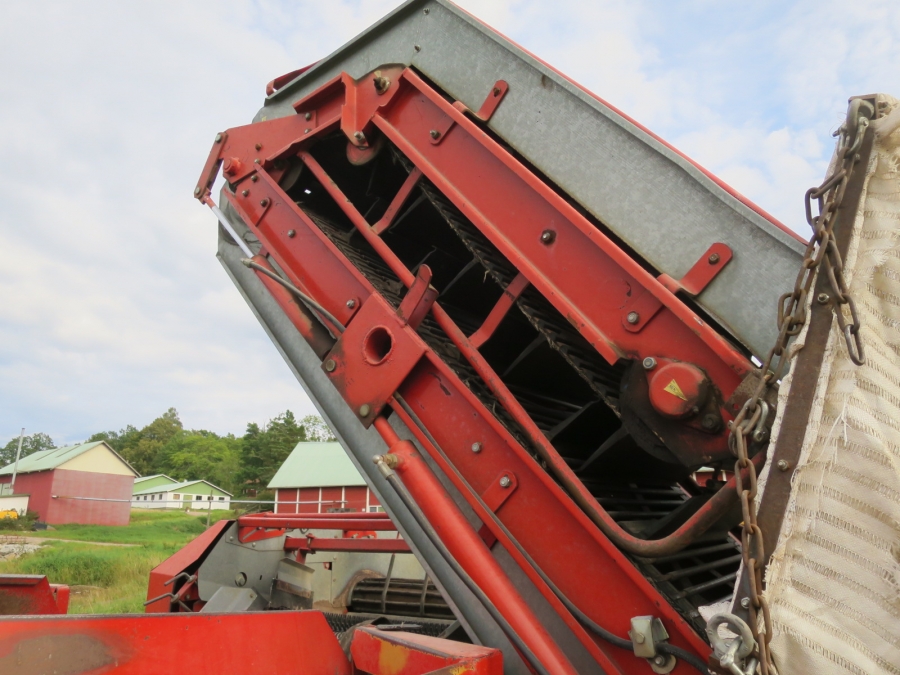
(792, 316)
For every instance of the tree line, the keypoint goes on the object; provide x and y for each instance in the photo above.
(238, 464)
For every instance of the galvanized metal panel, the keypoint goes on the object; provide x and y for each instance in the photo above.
(658, 202)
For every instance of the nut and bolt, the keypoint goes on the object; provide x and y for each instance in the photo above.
(649, 363)
(292, 234)
(476, 447)
(713, 258)
(505, 482)
(660, 659)
(547, 236)
(360, 136)
(823, 298)
(639, 638)
(417, 48)
(306, 131)
(330, 365)
(197, 191)
(351, 303)
(783, 465)
(256, 161)
(426, 10)
(258, 146)
(710, 422)
(307, 116)
(218, 138)
(245, 192)
(435, 134)
(745, 603)
(633, 318)
(264, 202)
(364, 410)
(254, 178)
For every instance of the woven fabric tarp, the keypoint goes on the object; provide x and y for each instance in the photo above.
(834, 579)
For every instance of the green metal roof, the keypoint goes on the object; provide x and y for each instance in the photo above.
(178, 487)
(141, 479)
(50, 459)
(317, 465)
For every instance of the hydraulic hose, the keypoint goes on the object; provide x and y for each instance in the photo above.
(394, 480)
(303, 297)
(584, 619)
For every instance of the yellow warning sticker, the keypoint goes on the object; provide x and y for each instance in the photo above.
(675, 390)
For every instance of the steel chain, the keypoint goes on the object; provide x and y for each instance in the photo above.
(792, 316)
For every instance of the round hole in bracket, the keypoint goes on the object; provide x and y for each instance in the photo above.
(377, 345)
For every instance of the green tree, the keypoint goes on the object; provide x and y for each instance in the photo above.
(265, 449)
(30, 444)
(191, 455)
(140, 448)
(316, 429)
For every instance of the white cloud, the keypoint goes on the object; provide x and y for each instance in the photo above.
(114, 307)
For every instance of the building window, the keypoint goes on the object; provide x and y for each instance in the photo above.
(174, 496)
(209, 499)
(198, 497)
(221, 499)
(152, 497)
(375, 509)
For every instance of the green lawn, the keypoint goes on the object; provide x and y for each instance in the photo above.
(111, 579)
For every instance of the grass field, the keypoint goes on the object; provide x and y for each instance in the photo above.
(111, 579)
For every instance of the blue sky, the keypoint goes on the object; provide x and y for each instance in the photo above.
(113, 305)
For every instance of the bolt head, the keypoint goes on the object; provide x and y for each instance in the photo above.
(633, 317)
(254, 178)
(639, 638)
(710, 422)
(417, 48)
(218, 138)
(364, 410)
(306, 131)
(823, 298)
(547, 236)
(476, 447)
(263, 202)
(745, 603)
(258, 146)
(245, 192)
(292, 234)
(330, 365)
(435, 134)
(426, 10)
(351, 303)
(783, 465)
(713, 258)
(197, 191)
(358, 135)
(505, 482)
(307, 116)
(256, 161)
(649, 363)
(659, 660)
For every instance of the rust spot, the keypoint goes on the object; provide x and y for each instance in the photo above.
(58, 654)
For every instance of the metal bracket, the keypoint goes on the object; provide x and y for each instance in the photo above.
(646, 633)
(485, 112)
(702, 273)
(418, 299)
(494, 497)
(510, 294)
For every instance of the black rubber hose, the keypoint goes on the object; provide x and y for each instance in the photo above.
(422, 521)
(303, 297)
(584, 619)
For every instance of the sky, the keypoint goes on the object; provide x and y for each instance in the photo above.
(113, 307)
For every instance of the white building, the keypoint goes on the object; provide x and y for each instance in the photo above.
(191, 494)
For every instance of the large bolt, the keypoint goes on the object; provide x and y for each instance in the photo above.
(359, 136)
(364, 410)
(505, 482)
(435, 134)
(264, 202)
(258, 146)
(713, 258)
(330, 365)
(218, 138)
(197, 191)
(633, 318)
(710, 422)
(745, 603)
(547, 236)
(476, 447)
(351, 303)
(823, 298)
(660, 660)
(307, 116)
(245, 192)
(783, 465)
(649, 363)
(292, 234)
(254, 178)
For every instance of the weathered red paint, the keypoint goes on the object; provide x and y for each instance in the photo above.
(295, 642)
(32, 594)
(398, 653)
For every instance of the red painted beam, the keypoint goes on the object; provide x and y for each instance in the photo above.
(345, 544)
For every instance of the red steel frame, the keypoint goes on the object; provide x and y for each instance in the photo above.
(607, 586)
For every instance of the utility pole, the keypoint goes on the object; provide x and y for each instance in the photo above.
(12, 484)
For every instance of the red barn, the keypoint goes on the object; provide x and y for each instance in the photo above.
(319, 477)
(69, 485)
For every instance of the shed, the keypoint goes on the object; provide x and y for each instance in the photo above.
(319, 477)
(189, 494)
(155, 480)
(88, 483)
